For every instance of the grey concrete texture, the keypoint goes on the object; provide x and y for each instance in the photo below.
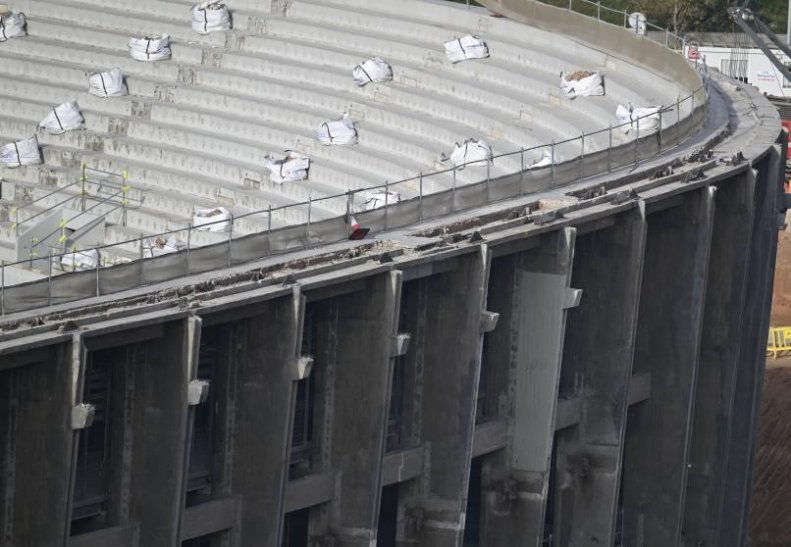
(210, 151)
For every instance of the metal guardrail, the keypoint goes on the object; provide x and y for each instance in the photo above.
(321, 231)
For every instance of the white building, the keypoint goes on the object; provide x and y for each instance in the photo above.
(721, 51)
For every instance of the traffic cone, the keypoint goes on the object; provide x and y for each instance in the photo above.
(355, 230)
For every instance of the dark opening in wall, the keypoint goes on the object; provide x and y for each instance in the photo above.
(550, 533)
(199, 482)
(295, 528)
(472, 522)
(388, 517)
(209, 540)
(302, 433)
(94, 454)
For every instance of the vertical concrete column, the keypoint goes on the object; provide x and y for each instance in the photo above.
(161, 371)
(752, 352)
(719, 352)
(668, 342)
(262, 424)
(516, 498)
(451, 356)
(597, 366)
(36, 402)
(363, 332)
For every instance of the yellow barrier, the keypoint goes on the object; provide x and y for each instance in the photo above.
(779, 341)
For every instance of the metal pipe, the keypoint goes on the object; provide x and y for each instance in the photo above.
(609, 149)
(582, 156)
(552, 163)
(98, 259)
(387, 195)
(269, 229)
(521, 170)
(2, 287)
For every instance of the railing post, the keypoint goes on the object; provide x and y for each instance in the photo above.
(552, 163)
(420, 197)
(98, 260)
(142, 258)
(348, 213)
(522, 170)
(678, 120)
(2, 287)
(609, 149)
(570, 1)
(659, 132)
(453, 190)
(625, 19)
(307, 227)
(187, 252)
(269, 229)
(230, 242)
(598, 10)
(49, 280)
(582, 156)
(488, 180)
(692, 112)
(637, 142)
(387, 196)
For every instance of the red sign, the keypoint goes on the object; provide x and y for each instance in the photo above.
(693, 54)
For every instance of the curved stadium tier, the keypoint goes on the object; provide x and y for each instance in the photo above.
(194, 130)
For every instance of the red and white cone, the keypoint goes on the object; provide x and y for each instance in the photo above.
(355, 230)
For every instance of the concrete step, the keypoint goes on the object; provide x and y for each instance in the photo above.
(88, 36)
(31, 68)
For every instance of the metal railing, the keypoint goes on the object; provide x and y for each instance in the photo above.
(427, 196)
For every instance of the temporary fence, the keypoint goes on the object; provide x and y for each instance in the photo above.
(779, 343)
(424, 196)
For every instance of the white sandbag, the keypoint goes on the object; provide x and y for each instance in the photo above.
(210, 16)
(293, 167)
(374, 200)
(12, 25)
(581, 83)
(374, 69)
(642, 120)
(339, 132)
(544, 161)
(212, 220)
(62, 118)
(107, 84)
(19, 153)
(158, 246)
(466, 47)
(150, 49)
(80, 260)
(473, 152)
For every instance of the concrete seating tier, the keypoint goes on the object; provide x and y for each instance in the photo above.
(194, 130)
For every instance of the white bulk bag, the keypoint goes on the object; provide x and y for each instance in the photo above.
(293, 167)
(62, 118)
(466, 47)
(150, 49)
(12, 25)
(210, 16)
(544, 161)
(107, 84)
(212, 220)
(159, 246)
(19, 153)
(471, 152)
(374, 69)
(338, 132)
(644, 120)
(374, 200)
(581, 83)
(80, 260)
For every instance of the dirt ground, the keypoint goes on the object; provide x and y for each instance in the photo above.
(770, 517)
